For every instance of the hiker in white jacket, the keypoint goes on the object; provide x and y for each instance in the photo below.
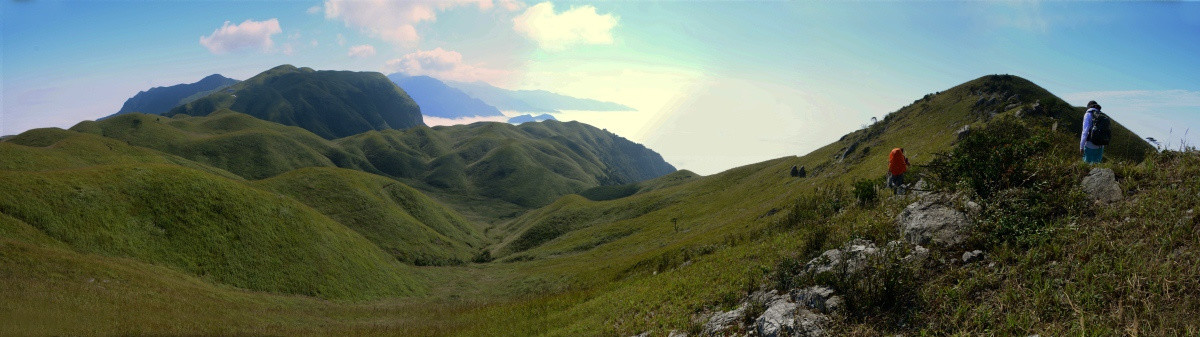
(1092, 153)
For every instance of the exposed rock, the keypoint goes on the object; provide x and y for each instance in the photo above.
(674, 333)
(723, 321)
(849, 151)
(851, 258)
(972, 256)
(1101, 185)
(962, 132)
(817, 298)
(644, 334)
(916, 255)
(766, 298)
(939, 219)
(1011, 106)
(785, 318)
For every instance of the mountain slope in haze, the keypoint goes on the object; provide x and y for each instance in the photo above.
(530, 118)
(157, 100)
(133, 203)
(440, 100)
(528, 165)
(532, 100)
(331, 104)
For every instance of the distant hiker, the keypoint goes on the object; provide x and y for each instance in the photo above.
(798, 171)
(897, 165)
(1096, 134)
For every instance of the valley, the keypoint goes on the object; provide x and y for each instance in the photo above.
(254, 211)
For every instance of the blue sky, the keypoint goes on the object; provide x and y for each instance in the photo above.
(715, 84)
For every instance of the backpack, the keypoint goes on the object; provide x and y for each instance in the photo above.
(1101, 132)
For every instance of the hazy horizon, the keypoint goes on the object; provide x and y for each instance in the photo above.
(714, 85)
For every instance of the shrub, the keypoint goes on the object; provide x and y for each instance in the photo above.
(866, 191)
(997, 158)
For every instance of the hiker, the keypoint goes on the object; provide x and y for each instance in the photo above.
(1096, 134)
(897, 165)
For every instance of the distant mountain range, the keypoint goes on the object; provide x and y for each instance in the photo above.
(331, 104)
(530, 118)
(532, 100)
(158, 100)
(440, 100)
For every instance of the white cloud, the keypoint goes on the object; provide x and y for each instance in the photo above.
(341, 40)
(442, 64)
(247, 35)
(435, 121)
(557, 31)
(362, 50)
(313, 10)
(395, 21)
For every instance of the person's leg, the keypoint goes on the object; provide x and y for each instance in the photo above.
(900, 184)
(1093, 156)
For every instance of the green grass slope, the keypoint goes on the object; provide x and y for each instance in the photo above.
(250, 147)
(528, 165)
(101, 196)
(402, 221)
(331, 104)
(718, 236)
(56, 149)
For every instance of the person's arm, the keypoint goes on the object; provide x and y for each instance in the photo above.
(1087, 128)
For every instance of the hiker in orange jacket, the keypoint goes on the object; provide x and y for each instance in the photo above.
(897, 165)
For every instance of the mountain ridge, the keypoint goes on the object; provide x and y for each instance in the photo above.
(331, 104)
(159, 100)
(440, 100)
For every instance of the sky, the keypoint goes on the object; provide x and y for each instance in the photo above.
(714, 85)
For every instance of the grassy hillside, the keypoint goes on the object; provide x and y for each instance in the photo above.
(527, 165)
(669, 254)
(100, 196)
(331, 104)
(486, 168)
(250, 147)
(402, 221)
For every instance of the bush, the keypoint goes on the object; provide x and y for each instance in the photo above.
(997, 158)
(811, 208)
(866, 191)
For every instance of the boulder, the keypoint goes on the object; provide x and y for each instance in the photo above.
(674, 333)
(644, 334)
(817, 298)
(785, 319)
(1101, 185)
(962, 133)
(723, 321)
(938, 219)
(851, 258)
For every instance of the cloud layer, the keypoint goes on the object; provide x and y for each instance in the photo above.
(557, 31)
(442, 64)
(395, 21)
(249, 34)
(362, 50)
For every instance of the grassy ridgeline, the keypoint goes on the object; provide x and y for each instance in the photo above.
(247, 146)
